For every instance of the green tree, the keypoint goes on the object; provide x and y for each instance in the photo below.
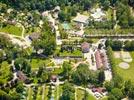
(22, 64)
(68, 92)
(83, 75)
(117, 93)
(127, 87)
(131, 2)
(50, 4)
(20, 87)
(101, 77)
(131, 92)
(112, 97)
(105, 4)
(63, 34)
(1, 57)
(117, 45)
(14, 95)
(40, 71)
(118, 81)
(43, 75)
(123, 14)
(47, 41)
(4, 95)
(64, 16)
(66, 69)
(109, 85)
(87, 4)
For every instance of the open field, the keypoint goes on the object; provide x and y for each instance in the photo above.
(126, 74)
(11, 29)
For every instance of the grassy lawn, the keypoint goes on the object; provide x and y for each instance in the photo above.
(126, 74)
(11, 29)
(74, 53)
(5, 72)
(80, 95)
(35, 63)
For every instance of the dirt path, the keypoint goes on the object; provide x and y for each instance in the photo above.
(17, 40)
(76, 64)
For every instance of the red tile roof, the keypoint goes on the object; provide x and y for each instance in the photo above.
(98, 59)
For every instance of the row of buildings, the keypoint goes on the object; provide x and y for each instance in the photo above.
(101, 59)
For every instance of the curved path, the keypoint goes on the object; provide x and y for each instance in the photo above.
(23, 29)
(14, 39)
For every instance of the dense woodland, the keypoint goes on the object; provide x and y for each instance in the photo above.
(70, 7)
(50, 4)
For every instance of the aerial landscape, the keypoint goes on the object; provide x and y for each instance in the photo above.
(66, 49)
